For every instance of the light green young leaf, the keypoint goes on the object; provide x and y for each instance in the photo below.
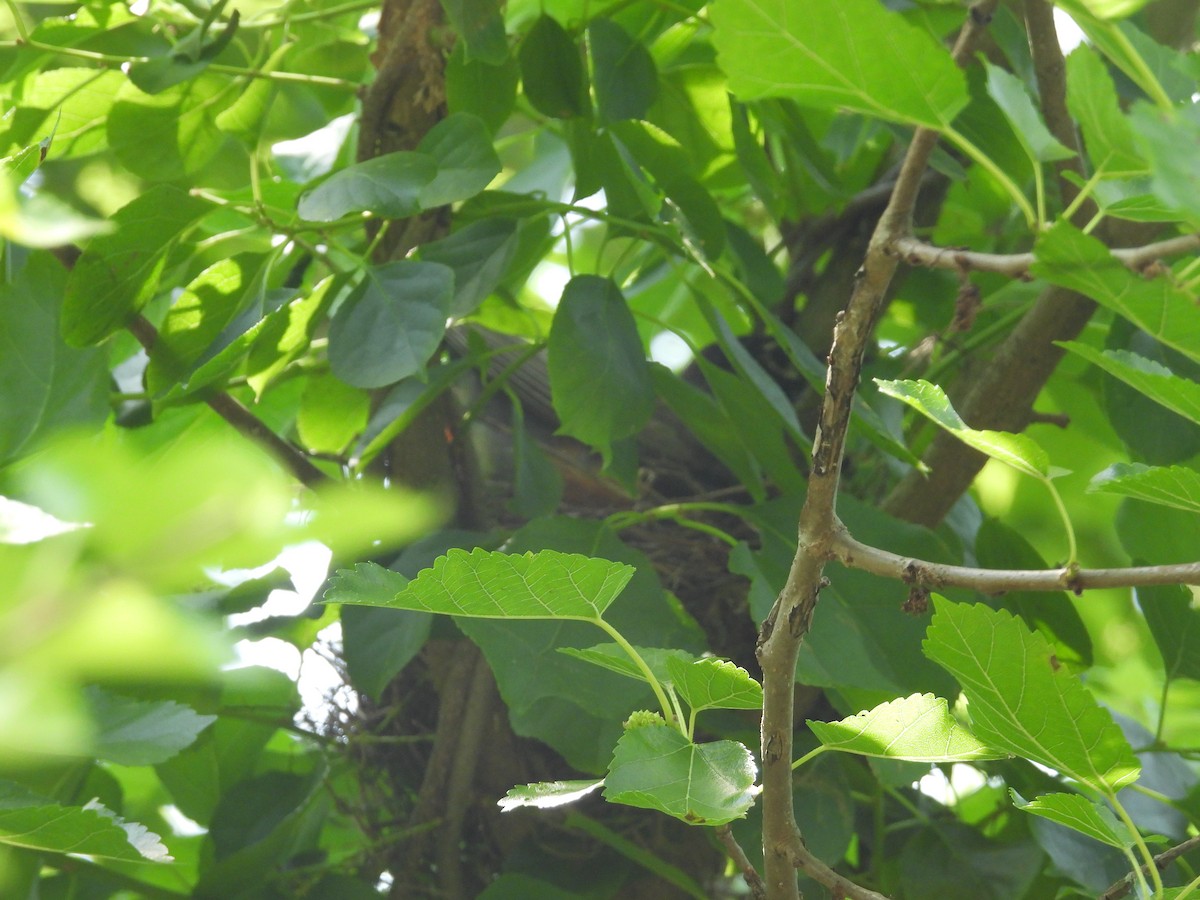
(1069, 258)
(1014, 101)
(1156, 381)
(1017, 450)
(142, 732)
(37, 824)
(615, 659)
(837, 54)
(1092, 100)
(1022, 701)
(919, 728)
(656, 767)
(491, 585)
(547, 794)
(1077, 812)
(710, 683)
(1165, 485)
(1113, 9)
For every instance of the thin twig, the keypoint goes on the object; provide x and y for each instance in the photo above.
(237, 415)
(758, 888)
(924, 574)
(916, 252)
(1162, 860)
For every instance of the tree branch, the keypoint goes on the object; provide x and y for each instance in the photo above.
(916, 252)
(246, 423)
(1162, 860)
(789, 620)
(758, 889)
(922, 573)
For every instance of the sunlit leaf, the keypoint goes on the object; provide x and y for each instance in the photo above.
(1077, 812)
(709, 683)
(656, 767)
(918, 728)
(1017, 450)
(1166, 485)
(90, 830)
(1022, 700)
(1156, 381)
(837, 54)
(490, 585)
(547, 794)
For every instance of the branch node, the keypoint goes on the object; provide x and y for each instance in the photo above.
(917, 603)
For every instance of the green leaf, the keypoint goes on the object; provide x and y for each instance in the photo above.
(473, 86)
(391, 324)
(1175, 624)
(656, 767)
(710, 683)
(490, 585)
(1092, 100)
(479, 254)
(1113, 9)
(1016, 450)
(331, 414)
(246, 116)
(552, 72)
(1150, 378)
(287, 334)
(1078, 812)
(480, 28)
(838, 55)
(1174, 181)
(461, 146)
(625, 77)
(614, 658)
(1014, 101)
(168, 135)
(204, 309)
(918, 728)
(1165, 485)
(47, 385)
(388, 185)
(1069, 258)
(140, 732)
(367, 584)
(548, 794)
(599, 379)
(118, 273)
(1022, 700)
(90, 830)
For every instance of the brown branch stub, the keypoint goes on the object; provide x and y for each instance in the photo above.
(758, 889)
(930, 575)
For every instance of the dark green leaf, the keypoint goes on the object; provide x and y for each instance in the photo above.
(1092, 100)
(599, 378)
(391, 324)
(139, 732)
(479, 254)
(1175, 624)
(552, 71)
(480, 27)
(1011, 96)
(388, 185)
(461, 145)
(625, 77)
(487, 91)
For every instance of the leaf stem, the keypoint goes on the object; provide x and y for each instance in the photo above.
(313, 15)
(811, 754)
(1072, 550)
(996, 172)
(1139, 841)
(18, 21)
(668, 710)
